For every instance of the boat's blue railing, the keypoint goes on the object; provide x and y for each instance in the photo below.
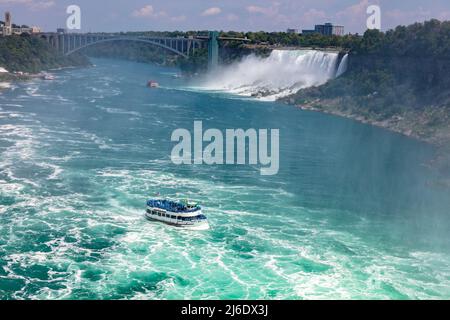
(171, 206)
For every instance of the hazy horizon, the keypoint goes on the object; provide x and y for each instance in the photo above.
(245, 15)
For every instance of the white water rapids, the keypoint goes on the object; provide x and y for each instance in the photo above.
(283, 73)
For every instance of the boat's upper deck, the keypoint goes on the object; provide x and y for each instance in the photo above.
(173, 206)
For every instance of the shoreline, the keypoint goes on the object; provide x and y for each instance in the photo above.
(7, 79)
(395, 124)
(364, 120)
(441, 159)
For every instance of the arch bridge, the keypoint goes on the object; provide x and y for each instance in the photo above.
(68, 43)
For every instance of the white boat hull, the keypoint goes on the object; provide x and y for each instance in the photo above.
(183, 221)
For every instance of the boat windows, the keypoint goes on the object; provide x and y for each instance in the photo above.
(196, 218)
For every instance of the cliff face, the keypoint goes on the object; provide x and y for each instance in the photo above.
(410, 95)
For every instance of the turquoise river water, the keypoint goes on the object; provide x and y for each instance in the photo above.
(355, 212)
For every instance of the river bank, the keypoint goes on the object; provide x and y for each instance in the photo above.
(8, 79)
(415, 125)
(411, 124)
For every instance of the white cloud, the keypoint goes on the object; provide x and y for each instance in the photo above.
(15, 1)
(42, 4)
(211, 11)
(402, 15)
(272, 12)
(356, 11)
(148, 12)
(261, 10)
(354, 17)
(32, 4)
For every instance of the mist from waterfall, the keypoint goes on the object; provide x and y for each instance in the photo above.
(283, 73)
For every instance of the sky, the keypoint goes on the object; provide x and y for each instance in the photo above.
(238, 15)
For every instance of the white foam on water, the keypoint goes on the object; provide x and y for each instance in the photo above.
(5, 85)
(120, 111)
(33, 92)
(261, 245)
(11, 105)
(57, 170)
(100, 142)
(206, 265)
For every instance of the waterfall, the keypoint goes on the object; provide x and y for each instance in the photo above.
(284, 72)
(342, 66)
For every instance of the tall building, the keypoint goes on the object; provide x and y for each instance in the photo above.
(323, 29)
(338, 30)
(8, 19)
(7, 28)
(327, 29)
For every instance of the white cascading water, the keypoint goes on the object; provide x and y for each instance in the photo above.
(342, 66)
(283, 73)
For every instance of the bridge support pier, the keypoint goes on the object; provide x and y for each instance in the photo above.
(213, 50)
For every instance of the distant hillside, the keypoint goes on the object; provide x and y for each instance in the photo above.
(31, 54)
(133, 51)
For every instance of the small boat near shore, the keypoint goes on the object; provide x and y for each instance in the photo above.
(183, 214)
(152, 84)
(47, 76)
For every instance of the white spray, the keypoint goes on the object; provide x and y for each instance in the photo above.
(283, 73)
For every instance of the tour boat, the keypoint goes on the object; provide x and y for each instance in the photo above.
(182, 214)
(152, 84)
